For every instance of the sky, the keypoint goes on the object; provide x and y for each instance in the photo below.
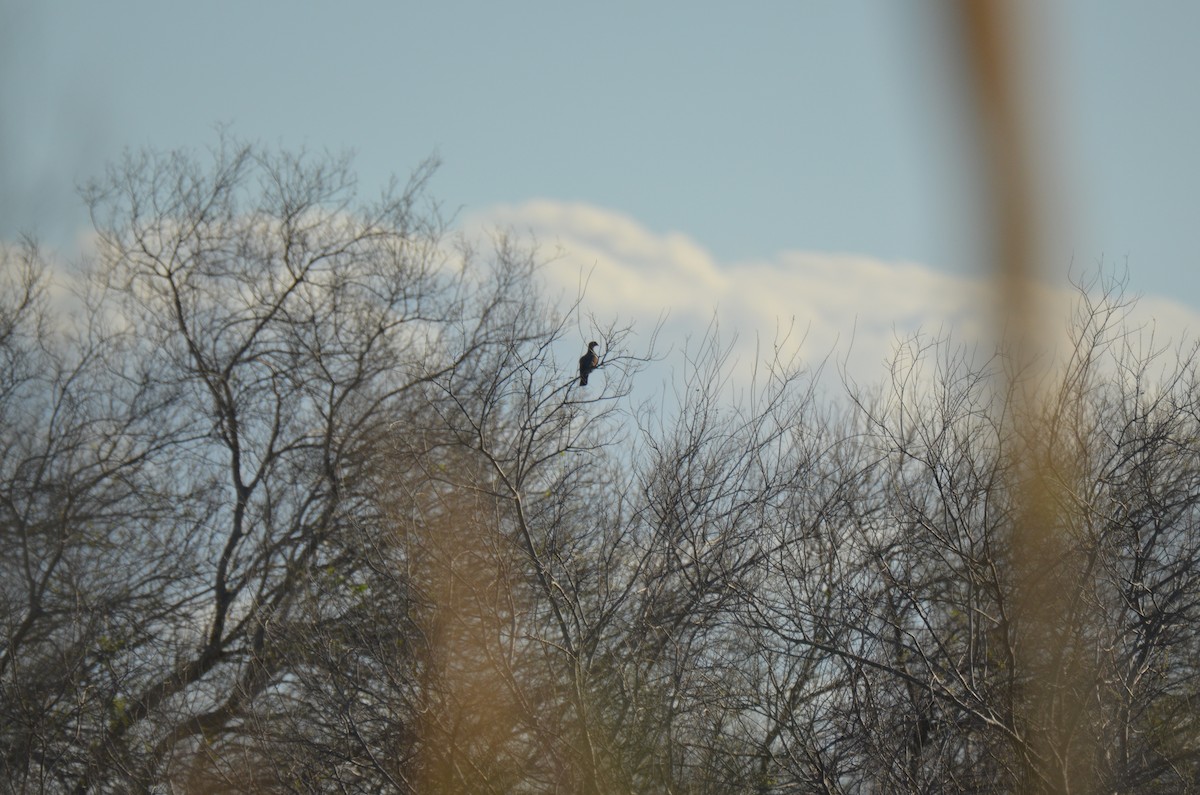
(771, 162)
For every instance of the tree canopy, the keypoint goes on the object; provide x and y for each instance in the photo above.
(303, 496)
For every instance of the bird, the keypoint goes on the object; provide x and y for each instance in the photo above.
(588, 362)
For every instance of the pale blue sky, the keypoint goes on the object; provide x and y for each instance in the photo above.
(752, 128)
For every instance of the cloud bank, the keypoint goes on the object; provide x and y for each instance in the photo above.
(849, 309)
(852, 307)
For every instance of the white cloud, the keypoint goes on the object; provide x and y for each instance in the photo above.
(831, 299)
(632, 270)
(855, 307)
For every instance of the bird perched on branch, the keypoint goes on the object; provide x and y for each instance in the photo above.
(588, 362)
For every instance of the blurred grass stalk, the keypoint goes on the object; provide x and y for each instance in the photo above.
(1050, 697)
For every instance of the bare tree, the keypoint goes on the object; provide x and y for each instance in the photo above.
(505, 591)
(89, 570)
(305, 497)
(944, 647)
(187, 479)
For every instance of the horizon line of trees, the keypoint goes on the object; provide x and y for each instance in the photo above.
(303, 497)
